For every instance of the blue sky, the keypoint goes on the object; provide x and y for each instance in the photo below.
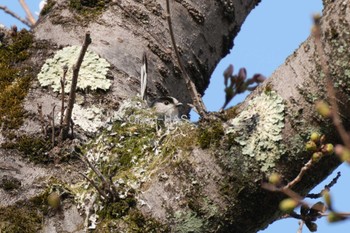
(270, 34)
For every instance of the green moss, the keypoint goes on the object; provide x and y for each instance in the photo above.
(16, 219)
(14, 81)
(34, 148)
(210, 133)
(183, 141)
(23, 217)
(9, 183)
(134, 222)
(129, 152)
(139, 223)
(131, 141)
(27, 216)
(88, 7)
(40, 202)
(47, 8)
(117, 209)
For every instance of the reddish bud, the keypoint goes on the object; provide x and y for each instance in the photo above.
(258, 78)
(228, 73)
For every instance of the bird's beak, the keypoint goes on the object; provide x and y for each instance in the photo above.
(179, 104)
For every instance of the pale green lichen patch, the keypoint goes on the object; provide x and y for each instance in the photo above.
(92, 73)
(258, 129)
(188, 222)
(90, 119)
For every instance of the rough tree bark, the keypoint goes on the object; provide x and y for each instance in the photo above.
(201, 188)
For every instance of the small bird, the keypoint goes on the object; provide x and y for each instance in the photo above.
(167, 106)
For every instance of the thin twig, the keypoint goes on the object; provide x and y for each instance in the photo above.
(301, 224)
(297, 179)
(63, 80)
(53, 126)
(71, 100)
(326, 187)
(41, 119)
(72, 127)
(290, 193)
(95, 170)
(197, 99)
(100, 191)
(14, 15)
(331, 92)
(29, 14)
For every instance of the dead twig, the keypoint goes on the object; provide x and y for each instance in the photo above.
(196, 97)
(71, 100)
(297, 179)
(62, 81)
(326, 187)
(41, 119)
(29, 14)
(100, 191)
(14, 15)
(108, 185)
(53, 126)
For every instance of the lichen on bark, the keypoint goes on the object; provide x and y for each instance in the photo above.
(258, 129)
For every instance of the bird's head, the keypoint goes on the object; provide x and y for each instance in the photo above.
(167, 106)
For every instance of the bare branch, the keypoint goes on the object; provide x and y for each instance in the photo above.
(326, 187)
(14, 15)
(53, 126)
(300, 175)
(100, 191)
(71, 100)
(25, 7)
(63, 80)
(196, 97)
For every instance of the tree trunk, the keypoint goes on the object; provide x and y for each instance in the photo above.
(204, 178)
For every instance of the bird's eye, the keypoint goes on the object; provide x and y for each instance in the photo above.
(166, 102)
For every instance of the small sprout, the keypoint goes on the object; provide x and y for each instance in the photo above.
(329, 149)
(323, 109)
(335, 217)
(327, 198)
(311, 146)
(288, 205)
(316, 156)
(237, 84)
(228, 73)
(275, 179)
(242, 75)
(54, 200)
(315, 137)
(258, 78)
